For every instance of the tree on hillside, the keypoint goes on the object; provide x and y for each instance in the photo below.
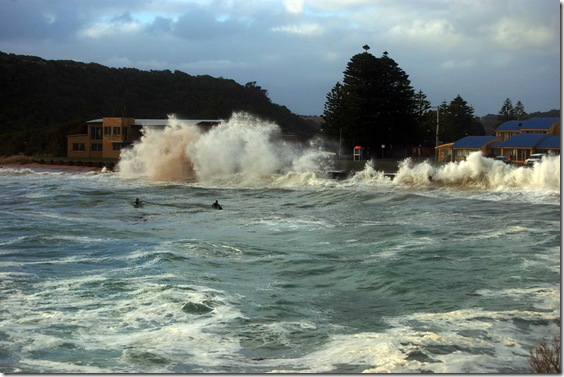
(337, 111)
(422, 105)
(374, 105)
(508, 112)
(426, 120)
(457, 120)
(49, 94)
(519, 111)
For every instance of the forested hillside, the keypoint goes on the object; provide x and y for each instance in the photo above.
(44, 100)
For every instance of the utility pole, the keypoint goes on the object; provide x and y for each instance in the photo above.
(437, 131)
(437, 136)
(340, 141)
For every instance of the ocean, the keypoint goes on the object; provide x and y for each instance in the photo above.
(443, 269)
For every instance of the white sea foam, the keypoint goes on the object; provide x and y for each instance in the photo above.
(483, 173)
(408, 346)
(243, 150)
(246, 151)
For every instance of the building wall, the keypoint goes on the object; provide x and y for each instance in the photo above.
(117, 133)
(78, 146)
(103, 140)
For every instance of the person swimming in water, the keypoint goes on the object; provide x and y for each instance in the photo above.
(216, 205)
(137, 202)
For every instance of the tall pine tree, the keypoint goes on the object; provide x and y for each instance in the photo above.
(519, 111)
(506, 112)
(457, 121)
(375, 105)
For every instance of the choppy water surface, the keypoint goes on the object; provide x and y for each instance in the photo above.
(298, 273)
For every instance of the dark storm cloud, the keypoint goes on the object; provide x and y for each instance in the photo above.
(484, 50)
(36, 20)
(201, 24)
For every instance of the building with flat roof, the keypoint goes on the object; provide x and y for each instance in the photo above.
(106, 137)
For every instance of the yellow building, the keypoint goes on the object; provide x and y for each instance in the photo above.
(106, 137)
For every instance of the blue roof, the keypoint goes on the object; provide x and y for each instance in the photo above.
(540, 123)
(537, 123)
(472, 142)
(511, 125)
(549, 143)
(521, 141)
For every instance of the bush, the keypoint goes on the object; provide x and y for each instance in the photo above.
(19, 159)
(546, 357)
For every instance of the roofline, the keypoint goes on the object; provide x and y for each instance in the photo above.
(139, 122)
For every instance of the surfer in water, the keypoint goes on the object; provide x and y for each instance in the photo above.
(216, 205)
(137, 203)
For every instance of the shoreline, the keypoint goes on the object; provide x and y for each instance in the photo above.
(37, 165)
(345, 171)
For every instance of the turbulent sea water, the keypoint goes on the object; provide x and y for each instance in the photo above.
(298, 273)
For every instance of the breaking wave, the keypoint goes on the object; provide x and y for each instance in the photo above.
(482, 173)
(244, 147)
(248, 151)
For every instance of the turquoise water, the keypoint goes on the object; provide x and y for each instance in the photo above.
(298, 273)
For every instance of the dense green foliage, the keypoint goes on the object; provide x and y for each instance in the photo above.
(510, 112)
(457, 120)
(44, 100)
(374, 106)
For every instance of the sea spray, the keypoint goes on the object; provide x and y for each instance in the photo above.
(410, 173)
(243, 145)
(481, 172)
(246, 151)
(160, 154)
(477, 172)
(243, 150)
(369, 176)
(486, 173)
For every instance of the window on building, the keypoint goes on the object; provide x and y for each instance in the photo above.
(96, 147)
(116, 130)
(116, 147)
(107, 131)
(96, 133)
(124, 133)
(78, 147)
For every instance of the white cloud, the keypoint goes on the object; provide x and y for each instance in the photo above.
(294, 6)
(107, 29)
(50, 17)
(214, 65)
(455, 64)
(445, 46)
(519, 34)
(437, 32)
(300, 29)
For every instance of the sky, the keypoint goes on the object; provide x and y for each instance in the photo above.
(483, 50)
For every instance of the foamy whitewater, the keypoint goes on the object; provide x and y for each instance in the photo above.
(446, 268)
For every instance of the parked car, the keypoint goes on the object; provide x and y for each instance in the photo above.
(536, 157)
(504, 159)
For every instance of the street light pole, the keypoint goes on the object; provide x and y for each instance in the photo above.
(437, 136)
(437, 131)
(340, 139)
